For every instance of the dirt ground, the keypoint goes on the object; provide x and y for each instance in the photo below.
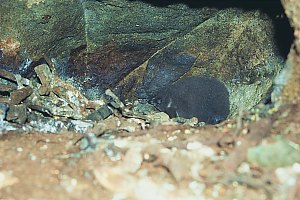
(159, 162)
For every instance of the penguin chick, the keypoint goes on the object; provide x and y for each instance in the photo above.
(199, 96)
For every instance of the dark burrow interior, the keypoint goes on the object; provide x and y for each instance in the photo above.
(273, 8)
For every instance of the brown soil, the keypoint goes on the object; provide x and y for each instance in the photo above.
(48, 166)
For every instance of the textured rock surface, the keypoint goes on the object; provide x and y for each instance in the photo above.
(140, 48)
(235, 47)
(121, 35)
(138, 23)
(290, 79)
(30, 29)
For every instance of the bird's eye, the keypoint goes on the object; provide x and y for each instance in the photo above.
(158, 100)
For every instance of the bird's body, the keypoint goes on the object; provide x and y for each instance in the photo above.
(199, 96)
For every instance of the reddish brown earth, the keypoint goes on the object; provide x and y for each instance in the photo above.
(41, 166)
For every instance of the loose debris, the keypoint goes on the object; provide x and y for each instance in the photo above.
(49, 104)
(48, 101)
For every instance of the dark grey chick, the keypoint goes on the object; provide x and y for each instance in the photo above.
(199, 96)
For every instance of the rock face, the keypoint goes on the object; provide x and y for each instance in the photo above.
(38, 27)
(138, 48)
(289, 80)
(121, 35)
(234, 47)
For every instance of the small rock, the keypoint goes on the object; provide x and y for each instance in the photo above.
(47, 125)
(100, 114)
(289, 182)
(143, 108)
(89, 143)
(3, 110)
(80, 126)
(45, 76)
(7, 75)
(7, 88)
(159, 117)
(6, 126)
(19, 95)
(17, 114)
(115, 101)
(113, 152)
(130, 129)
(278, 154)
(190, 122)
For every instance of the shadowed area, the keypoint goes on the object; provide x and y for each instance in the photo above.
(163, 69)
(203, 97)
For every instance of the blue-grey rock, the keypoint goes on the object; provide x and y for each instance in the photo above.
(3, 110)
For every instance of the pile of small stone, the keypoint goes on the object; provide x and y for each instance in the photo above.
(48, 103)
